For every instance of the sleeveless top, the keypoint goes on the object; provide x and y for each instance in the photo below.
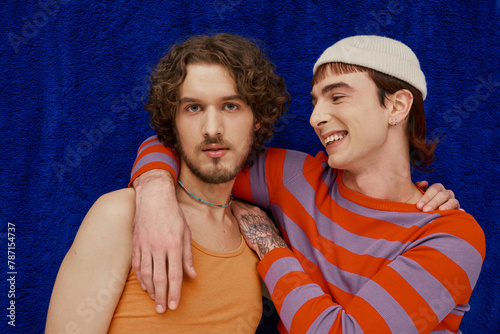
(225, 297)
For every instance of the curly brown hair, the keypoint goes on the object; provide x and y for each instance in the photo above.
(256, 81)
(421, 150)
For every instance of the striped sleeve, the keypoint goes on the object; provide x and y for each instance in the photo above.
(425, 289)
(258, 183)
(152, 154)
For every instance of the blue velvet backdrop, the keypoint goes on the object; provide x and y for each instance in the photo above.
(74, 73)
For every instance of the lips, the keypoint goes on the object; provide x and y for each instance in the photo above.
(214, 150)
(214, 147)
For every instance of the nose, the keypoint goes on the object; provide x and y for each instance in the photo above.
(318, 116)
(213, 125)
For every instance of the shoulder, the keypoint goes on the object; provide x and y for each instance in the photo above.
(459, 222)
(117, 197)
(114, 207)
(462, 225)
(298, 155)
(294, 162)
(292, 156)
(122, 199)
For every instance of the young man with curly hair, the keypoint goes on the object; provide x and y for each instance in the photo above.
(213, 99)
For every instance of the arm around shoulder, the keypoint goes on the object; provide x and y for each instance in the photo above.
(161, 235)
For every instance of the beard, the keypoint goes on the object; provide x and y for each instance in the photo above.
(219, 173)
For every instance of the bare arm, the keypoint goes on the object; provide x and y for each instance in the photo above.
(260, 232)
(161, 239)
(92, 276)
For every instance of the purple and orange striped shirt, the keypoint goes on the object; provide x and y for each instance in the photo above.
(356, 264)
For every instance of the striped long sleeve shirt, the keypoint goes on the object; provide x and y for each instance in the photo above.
(356, 264)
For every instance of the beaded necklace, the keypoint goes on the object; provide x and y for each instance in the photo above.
(199, 199)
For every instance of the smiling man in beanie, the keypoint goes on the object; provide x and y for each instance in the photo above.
(361, 256)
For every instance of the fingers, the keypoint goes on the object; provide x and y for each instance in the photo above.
(160, 282)
(451, 204)
(136, 264)
(438, 200)
(174, 279)
(436, 197)
(146, 273)
(430, 193)
(188, 255)
(152, 274)
(143, 267)
(422, 184)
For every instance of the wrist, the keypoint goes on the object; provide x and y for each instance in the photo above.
(270, 244)
(154, 177)
(154, 189)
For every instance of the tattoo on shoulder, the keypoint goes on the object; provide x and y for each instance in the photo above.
(261, 231)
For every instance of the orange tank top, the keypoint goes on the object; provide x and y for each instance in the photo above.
(225, 297)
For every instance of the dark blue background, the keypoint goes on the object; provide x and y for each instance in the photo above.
(73, 74)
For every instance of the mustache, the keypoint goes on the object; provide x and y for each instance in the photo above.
(214, 140)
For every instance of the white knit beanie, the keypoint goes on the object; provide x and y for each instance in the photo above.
(382, 54)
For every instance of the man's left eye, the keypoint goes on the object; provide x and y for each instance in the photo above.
(231, 107)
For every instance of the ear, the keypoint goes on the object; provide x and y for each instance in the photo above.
(257, 126)
(402, 100)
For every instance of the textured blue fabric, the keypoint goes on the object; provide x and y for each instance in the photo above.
(73, 75)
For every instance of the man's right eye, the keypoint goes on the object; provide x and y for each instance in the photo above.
(336, 98)
(193, 108)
